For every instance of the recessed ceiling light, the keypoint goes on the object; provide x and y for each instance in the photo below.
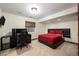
(58, 19)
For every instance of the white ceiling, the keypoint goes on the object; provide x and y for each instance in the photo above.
(70, 17)
(45, 9)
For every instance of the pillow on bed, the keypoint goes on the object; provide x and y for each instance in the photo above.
(52, 32)
(58, 32)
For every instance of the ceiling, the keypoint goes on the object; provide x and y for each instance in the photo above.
(44, 9)
(70, 17)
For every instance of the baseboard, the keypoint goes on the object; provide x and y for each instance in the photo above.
(71, 42)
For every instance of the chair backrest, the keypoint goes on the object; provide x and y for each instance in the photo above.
(24, 36)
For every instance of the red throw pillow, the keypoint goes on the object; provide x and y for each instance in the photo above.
(52, 32)
(59, 32)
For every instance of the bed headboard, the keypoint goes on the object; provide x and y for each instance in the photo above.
(66, 32)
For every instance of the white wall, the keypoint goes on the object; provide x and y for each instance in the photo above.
(15, 21)
(0, 29)
(72, 24)
(0, 16)
(40, 28)
(0, 12)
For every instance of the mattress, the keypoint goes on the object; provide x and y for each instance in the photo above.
(50, 38)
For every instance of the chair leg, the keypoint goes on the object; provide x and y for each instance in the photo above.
(20, 48)
(26, 45)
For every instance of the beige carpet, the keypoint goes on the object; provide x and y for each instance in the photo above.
(39, 49)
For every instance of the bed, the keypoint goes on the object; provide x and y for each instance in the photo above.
(53, 38)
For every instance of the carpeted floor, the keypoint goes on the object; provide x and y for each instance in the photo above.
(39, 49)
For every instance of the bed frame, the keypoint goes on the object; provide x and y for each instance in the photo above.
(66, 33)
(52, 46)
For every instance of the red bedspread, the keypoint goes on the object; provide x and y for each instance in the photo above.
(50, 38)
